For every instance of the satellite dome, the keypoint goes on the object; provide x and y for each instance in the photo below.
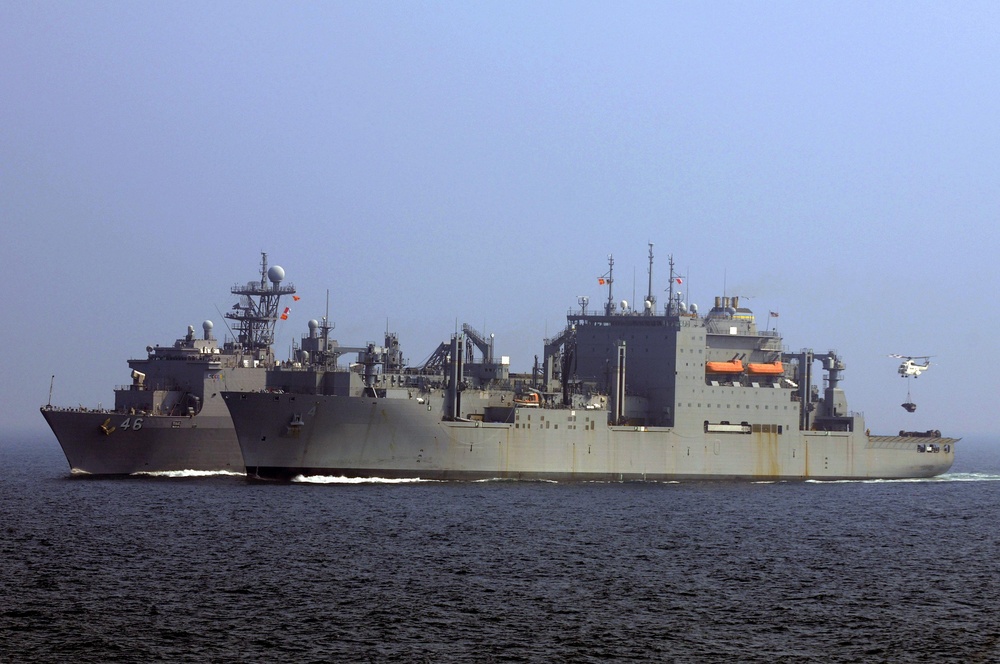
(207, 325)
(275, 274)
(313, 325)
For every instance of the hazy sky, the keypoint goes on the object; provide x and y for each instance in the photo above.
(438, 163)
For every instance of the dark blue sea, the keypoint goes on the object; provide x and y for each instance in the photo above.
(219, 569)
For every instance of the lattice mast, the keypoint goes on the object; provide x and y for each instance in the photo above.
(257, 313)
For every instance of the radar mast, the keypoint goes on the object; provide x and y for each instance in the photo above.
(256, 313)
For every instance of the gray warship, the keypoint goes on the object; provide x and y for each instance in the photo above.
(621, 394)
(171, 416)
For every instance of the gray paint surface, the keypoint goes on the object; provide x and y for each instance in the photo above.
(621, 395)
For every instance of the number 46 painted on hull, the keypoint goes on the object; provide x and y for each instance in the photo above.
(135, 424)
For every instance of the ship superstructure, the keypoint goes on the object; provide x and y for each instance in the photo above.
(623, 394)
(171, 417)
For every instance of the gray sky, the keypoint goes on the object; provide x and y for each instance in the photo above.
(434, 163)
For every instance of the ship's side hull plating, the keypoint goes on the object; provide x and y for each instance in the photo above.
(282, 436)
(102, 443)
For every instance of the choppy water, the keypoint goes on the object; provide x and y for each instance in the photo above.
(220, 569)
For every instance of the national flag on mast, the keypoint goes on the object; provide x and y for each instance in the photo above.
(774, 314)
(678, 280)
(600, 280)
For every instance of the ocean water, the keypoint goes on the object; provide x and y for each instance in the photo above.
(218, 569)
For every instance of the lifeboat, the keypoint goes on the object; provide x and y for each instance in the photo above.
(766, 368)
(731, 367)
(529, 400)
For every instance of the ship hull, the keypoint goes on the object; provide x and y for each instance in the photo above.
(282, 436)
(103, 443)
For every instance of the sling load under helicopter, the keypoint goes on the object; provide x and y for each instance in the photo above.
(911, 367)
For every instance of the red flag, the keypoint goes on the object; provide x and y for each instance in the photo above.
(284, 315)
(600, 280)
(678, 279)
(296, 298)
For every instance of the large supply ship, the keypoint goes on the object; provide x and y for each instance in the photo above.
(171, 416)
(622, 394)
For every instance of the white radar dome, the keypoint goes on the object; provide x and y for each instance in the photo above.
(207, 325)
(276, 274)
(313, 325)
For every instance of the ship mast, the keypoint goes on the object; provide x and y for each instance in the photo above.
(326, 327)
(609, 308)
(650, 298)
(256, 313)
(671, 306)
